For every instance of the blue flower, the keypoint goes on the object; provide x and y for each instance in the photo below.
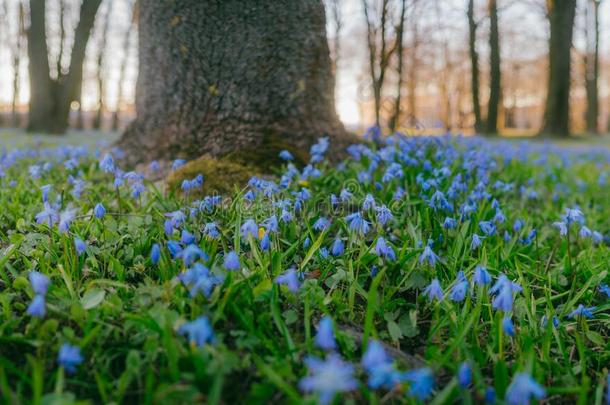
(382, 249)
(562, 226)
(522, 389)
(231, 261)
(286, 155)
(490, 395)
(65, 219)
(481, 276)
(107, 163)
(604, 288)
(69, 357)
(434, 290)
(249, 229)
(507, 326)
(211, 230)
(37, 307)
(582, 311)
(384, 215)
(337, 248)
(177, 164)
(421, 382)
(379, 366)
(464, 375)
(290, 279)
(488, 228)
(199, 280)
(187, 238)
(449, 223)
(325, 338)
(99, 211)
(476, 241)
(191, 254)
(518, 225)
(460, 289)
(155, 253)
(428, 256)
(45, 192)
(39, 282)
(80, 246)
(321, 224)
(198, 332)
(174, 248)
(369, 202)
(357, 223)
(328, 377)
(48, 216)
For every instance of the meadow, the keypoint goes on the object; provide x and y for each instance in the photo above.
(418, 270)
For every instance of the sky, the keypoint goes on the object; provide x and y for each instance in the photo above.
(526, 23)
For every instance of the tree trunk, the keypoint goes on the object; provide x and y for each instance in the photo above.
(101, 53)
(592, 65)
(17, 51)
(50, 99)
(218, 77)
(495, 80)
(123, 69)
(395, 119)
(474, 66)
(556, 117)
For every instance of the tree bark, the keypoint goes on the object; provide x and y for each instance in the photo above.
(561, 15)
(592, 65)
(474, 67)
(218, 77)
(395, 119)
(495, 80)
(50, 98)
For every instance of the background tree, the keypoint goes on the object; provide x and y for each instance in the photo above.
(395, 119)
(218, 77)
(561, 15)
(100, 59)
(50, 98)
(131, 28)
(474, 66)
(592, 64)
(495, 79)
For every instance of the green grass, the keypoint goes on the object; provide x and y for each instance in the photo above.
(125, 313)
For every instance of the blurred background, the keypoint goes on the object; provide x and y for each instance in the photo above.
(410, 65)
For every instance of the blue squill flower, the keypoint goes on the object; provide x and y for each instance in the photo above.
(199, 280)
(337, 248)
(488, 228)
(383, 214)
(428, 256)
(582, 311)
(39, 282)
(476, 241)
(321, 224)
(46, 189)
(80, 246)
(421, 382)
(490, 395)
(231, 261)
(99, 211)
(174, 248)
(107, 163)
(48, 216)
(518, 225)
(249, 229)
(508, 327)
(286, 155)
(605, 289)
(379, 366)
(562, 226)
(191, 254)
(65, 219)
(290, 279)
(522, 388)
(198, 332)
(37, 307)
(328, 377)
(325, 338)
(481, 276)
(382, 249)
(155, 253)
(178, 163)
(265, 243)
(434, 291)
(460, 289)
(449, 223)
(356, 223)
(464, 375)
(211, 230)
(69, 357)
(187, 238)
(369, 202)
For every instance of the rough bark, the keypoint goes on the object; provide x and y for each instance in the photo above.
(50, 98)
(495, 80)
(218, 77)
(395, 119)
(474, 67)
(101, 56)
(592, 65)
(561, 15)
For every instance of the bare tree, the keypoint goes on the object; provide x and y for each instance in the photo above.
(123, 69)
(414, 63)
(561, 15)
(474, 66)
(15, 42)
(495, 80)
(334, 8)
(394, 120)
(50, 98)
(592, 64)
(101, 55)
(379, 48)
